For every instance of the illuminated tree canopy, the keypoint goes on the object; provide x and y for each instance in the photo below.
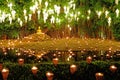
(83, 17)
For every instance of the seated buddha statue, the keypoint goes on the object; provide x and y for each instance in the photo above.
(39, 31)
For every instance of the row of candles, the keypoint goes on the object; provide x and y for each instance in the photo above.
(50, 75)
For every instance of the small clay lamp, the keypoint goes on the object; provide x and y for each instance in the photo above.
(55, 61)
(113, 68)
(5, 73)
(49, 75)
(73, 69)
(99, 76)
(108, 56)
(89, 59)
(34, 70)
(20, 61)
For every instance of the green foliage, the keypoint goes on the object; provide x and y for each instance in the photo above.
(116, 31)
(61, 71)
(81, 6)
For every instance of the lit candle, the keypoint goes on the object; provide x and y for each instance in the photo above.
(55, 61)
(99, 76)
(5, 70)
(21, 61)
(113, 68)
(34, 69)
(5, 73)
(89, 59)
(73, 68)
(49, 74)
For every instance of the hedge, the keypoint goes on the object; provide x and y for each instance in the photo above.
(84, 71)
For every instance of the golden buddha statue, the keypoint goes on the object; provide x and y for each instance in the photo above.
(39, 31)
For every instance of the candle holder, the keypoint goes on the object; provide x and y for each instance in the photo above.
(99, 76)
(113, 68)
(55, 61)
(34, 70)
(5, 73)
(49, 75)
(20, 61)
(73, 69)
(89, 59)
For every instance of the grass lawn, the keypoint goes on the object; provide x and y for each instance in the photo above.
(63, 44)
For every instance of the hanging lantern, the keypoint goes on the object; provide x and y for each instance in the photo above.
(117, 12)
(109, 21)
(116, 2)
